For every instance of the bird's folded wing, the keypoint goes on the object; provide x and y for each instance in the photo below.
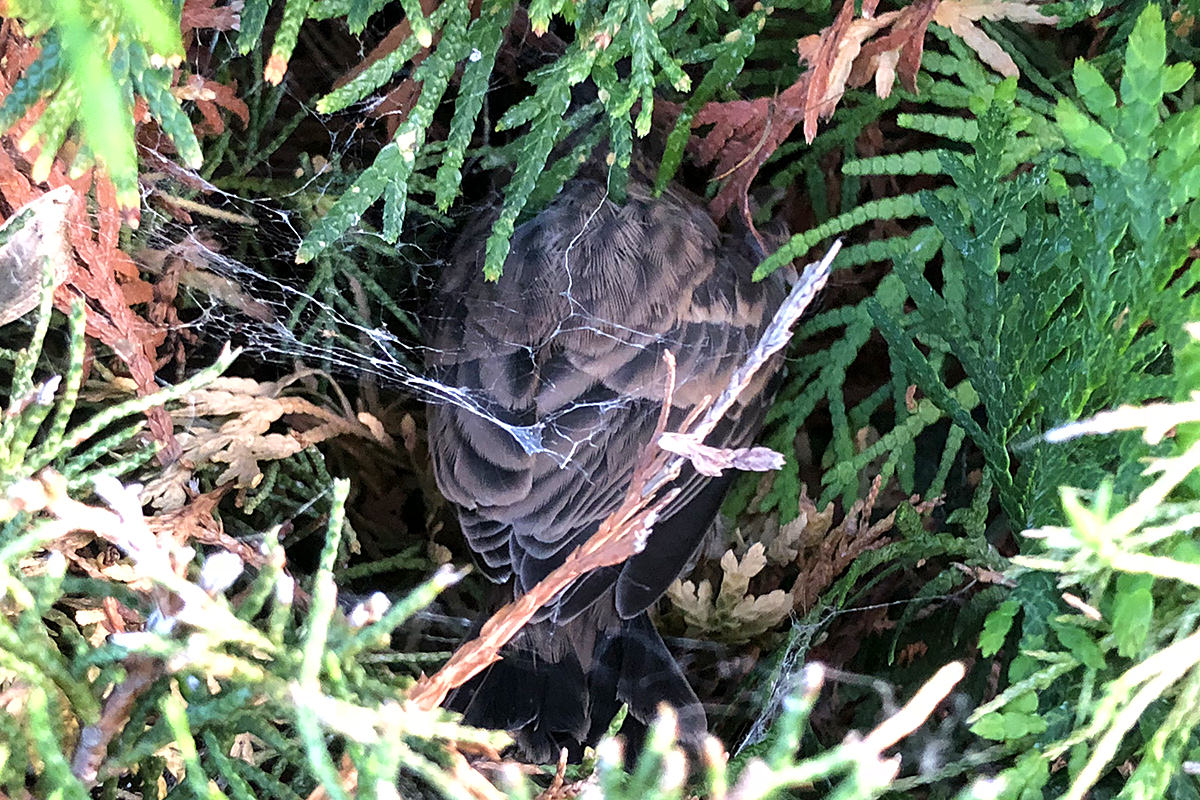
(570, 340)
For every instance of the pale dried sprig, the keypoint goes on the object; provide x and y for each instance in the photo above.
(1115, 540)
(865, 753)
(961, 17)
(788, 543)
(915, 711)
(468, 777)
(734, 614)
(626, 530)
(230, 422)
(712, 461)
(158, 564)
(774, 338)
(1156, 421)
(820, 549)
(1100, 540)
(158, 560)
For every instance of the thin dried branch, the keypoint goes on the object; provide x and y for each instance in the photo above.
(159, 561)
(140, 674)
(626, 530)
(758, 780)
(915, 711)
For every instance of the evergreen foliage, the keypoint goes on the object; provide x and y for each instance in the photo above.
(274, 674)
(95, 59)
(658, 41)
(1040, 270)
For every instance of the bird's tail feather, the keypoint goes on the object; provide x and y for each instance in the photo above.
(551, 704)
(633, 666)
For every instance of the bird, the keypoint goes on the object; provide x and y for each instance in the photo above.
(566, 349)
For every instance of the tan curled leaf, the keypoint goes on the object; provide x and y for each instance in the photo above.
(764, 612)
(960, 17)
(234, 422)
(712, 461)
(885, 72)
(808, 529)
(694, 602)
(830, 55)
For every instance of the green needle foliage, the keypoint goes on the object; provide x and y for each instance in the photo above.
(1044, 275)
(214, 672)
(95, 56)
(1058, 301)
(657, 40)
(1128, 652)
(1051, 279)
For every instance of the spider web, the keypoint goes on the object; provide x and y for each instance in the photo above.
(353, 326)
(359, 311)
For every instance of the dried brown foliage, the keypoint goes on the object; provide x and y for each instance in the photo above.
(961, 17)
(853, 51)
(236, 422)
(91, 266)
(756, 586)
(149, 555)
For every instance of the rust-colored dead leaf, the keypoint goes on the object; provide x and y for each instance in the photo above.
(107, 276)
(849, 53)
(210, 97)
(897, 53)
(197, 522)
(830, 57)
(206, 14)
(98, 271)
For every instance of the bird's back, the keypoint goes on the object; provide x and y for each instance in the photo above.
(569, 343)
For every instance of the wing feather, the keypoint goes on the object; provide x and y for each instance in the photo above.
(571, 337)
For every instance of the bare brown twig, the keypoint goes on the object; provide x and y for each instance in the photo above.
(140, 673)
